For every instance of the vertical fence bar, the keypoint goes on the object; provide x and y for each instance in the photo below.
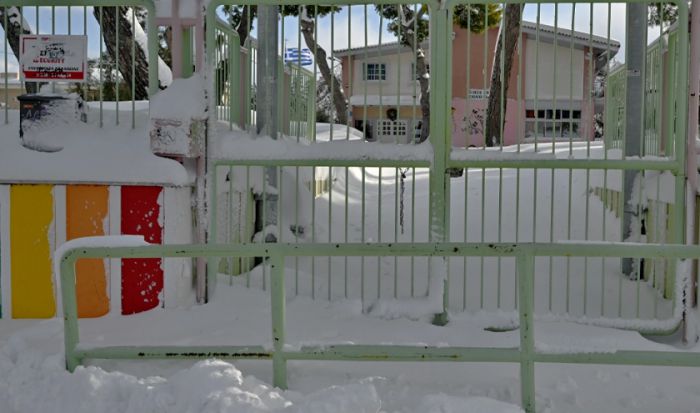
(117, 13)
(525, 265)
(277, 299)
(5, 46)
(70, 313)
(206, 283)
(133, 68)
(101, 64)
(152, 46)
(440, 30)
(234, 67)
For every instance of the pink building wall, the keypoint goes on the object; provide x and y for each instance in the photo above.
(472, 61)
(461, 63)
(469, 114)
(468, 119)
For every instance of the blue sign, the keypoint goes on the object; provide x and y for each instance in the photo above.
(302, 57)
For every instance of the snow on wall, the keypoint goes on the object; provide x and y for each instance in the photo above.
(177, 229)
(184, 99)
(112, 154)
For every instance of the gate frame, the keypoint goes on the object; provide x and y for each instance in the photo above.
(440, 136)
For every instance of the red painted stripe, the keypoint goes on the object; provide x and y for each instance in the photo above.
(142, 279)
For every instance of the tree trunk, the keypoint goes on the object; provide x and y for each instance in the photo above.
(111, 17)
(13, 30)
(424, 82)
(421, 69)
(494, 118)
(339, 101)
(243, 28)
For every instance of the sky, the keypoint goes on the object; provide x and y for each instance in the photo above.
(333, 31)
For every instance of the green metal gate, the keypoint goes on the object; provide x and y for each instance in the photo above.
(555, 181)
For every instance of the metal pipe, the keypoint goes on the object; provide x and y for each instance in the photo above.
(634, 126)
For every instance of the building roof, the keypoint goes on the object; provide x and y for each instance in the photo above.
(545, 32)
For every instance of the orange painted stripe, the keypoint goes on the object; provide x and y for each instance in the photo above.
(31, 218)
(87, 207)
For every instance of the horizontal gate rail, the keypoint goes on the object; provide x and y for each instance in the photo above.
(526, 355)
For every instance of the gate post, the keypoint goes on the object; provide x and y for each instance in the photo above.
(634, 126)
(691, 152)
(440, 57)
(266, 102)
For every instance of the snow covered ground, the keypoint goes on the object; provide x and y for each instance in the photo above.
(487, 205)
(32, 377)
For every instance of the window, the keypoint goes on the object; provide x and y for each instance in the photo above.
(552, 123)
(392, 128)
(374, 71)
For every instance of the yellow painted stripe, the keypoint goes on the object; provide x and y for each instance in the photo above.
(86, 210)
(31, 216)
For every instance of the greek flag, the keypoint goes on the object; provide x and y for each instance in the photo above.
(295, 55)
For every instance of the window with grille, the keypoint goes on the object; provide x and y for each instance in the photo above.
(374, 71)
(392, 128)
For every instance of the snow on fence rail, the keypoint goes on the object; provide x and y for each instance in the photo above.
(527, 354)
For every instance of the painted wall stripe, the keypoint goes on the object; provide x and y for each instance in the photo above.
(87, 208)
(177, 229)
(31, 221)
(142, 279)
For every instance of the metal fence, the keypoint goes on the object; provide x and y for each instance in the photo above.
(123, 59)
(659, 71)
(551, 177)
(526, 354)
(236, 84)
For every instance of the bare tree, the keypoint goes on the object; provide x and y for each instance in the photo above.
(411, 25)
(340, 103)
(241, 17)
(127, 50)
(507, 42)
(14, 25)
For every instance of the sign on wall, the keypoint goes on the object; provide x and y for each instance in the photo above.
(479, 93)
(53, 57)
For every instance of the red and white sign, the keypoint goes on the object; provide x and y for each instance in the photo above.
(53, 57)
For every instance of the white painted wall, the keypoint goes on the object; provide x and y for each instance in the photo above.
(177, 229)
(541, 68)
(399, 78)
